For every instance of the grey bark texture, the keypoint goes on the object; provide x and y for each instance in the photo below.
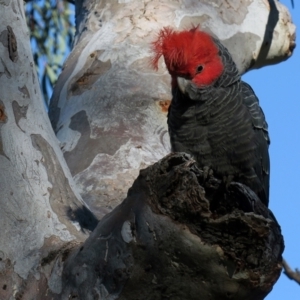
(109, 107)
(179, 236)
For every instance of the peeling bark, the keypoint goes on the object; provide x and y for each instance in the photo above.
(109, 108)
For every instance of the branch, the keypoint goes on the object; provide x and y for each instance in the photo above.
(293, 275)
(179, 235)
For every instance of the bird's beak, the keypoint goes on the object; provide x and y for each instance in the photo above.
(182, 83)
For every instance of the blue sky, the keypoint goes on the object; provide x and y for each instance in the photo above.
(278, 89)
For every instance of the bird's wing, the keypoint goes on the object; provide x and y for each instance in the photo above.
(257, 114)
(260, 125)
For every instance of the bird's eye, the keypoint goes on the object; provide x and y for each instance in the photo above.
(199, 69)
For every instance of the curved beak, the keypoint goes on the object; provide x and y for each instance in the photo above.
(182, 83)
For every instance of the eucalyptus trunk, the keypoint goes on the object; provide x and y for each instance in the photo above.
(39, 202)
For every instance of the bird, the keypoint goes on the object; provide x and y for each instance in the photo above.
(214, 115)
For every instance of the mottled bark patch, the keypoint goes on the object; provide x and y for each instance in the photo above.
(3, 119)
(12, 44)
(231, 11)
(62, 250)
(89, 74)
(164, 105)
(32, 73)
(1, 148)
(103, 194)
(19, 112)
(6, 72)
(98, 278)
(3, 116)
(5, 2)
(6, 278)
(143, 65)
(17, 10)
(24, 91)
(87, 148)
(240, 43)
(3, 38)
(62, 199)
(187, 21)
(35, 286)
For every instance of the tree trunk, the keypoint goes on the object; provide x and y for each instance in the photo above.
(40, 207)
(109, 107)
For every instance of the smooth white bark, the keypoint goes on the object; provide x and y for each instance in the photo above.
(32, 197)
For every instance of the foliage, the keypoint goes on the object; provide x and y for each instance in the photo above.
(51, 25)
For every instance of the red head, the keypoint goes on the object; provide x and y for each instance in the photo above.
(191, 54)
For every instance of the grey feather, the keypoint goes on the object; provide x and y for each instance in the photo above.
(224, 128)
